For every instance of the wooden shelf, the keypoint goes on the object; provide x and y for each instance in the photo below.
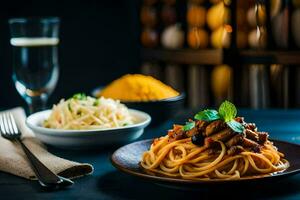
(184, 56)
(220, 56)
(270, 57)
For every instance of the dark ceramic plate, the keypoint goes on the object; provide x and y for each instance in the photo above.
(160, 110)
(127, 159)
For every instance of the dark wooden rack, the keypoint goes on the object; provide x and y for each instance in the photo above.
(185, 56)
(221, 56)
(233, 56)
(270, 57)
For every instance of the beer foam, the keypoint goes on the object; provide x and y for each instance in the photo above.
(27, 42)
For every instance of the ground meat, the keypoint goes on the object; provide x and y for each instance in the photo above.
(201, 125)
(248, 143)
(176, 133)
(251, 135)
(223, 135)
(240, 119)
(214, 127)
(262, 137)
(235, 140)
(251, 126)
(234, 150)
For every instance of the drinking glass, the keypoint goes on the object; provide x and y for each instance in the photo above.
(34, 44)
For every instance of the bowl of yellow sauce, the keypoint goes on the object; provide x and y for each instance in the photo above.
(144, 93)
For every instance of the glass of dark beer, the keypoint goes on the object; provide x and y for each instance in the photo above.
(34, 43)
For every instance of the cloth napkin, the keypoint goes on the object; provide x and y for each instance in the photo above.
(14, 161)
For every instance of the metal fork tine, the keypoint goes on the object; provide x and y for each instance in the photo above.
(9, 123)
(2, 124)
(14, 124)
(5, 124)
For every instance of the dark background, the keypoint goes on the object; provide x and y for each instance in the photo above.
(99, 41)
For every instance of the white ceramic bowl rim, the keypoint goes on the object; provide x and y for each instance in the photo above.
(33, 120)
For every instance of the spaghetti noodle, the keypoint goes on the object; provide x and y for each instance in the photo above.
(84, 112)
(224, 153)
(183, 159)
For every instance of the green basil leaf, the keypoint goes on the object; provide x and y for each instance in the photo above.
(207, 115)
(227, 111)
(79, 96)
(188, 126)
(96, 102)
(236, 126)
(69, 107)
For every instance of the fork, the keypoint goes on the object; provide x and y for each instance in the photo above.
(46, 177)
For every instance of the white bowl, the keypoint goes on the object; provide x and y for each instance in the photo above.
(87, 138)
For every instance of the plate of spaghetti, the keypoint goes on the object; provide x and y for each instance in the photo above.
(214, 147)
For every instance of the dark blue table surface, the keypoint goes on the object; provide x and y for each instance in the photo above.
(108, 183)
